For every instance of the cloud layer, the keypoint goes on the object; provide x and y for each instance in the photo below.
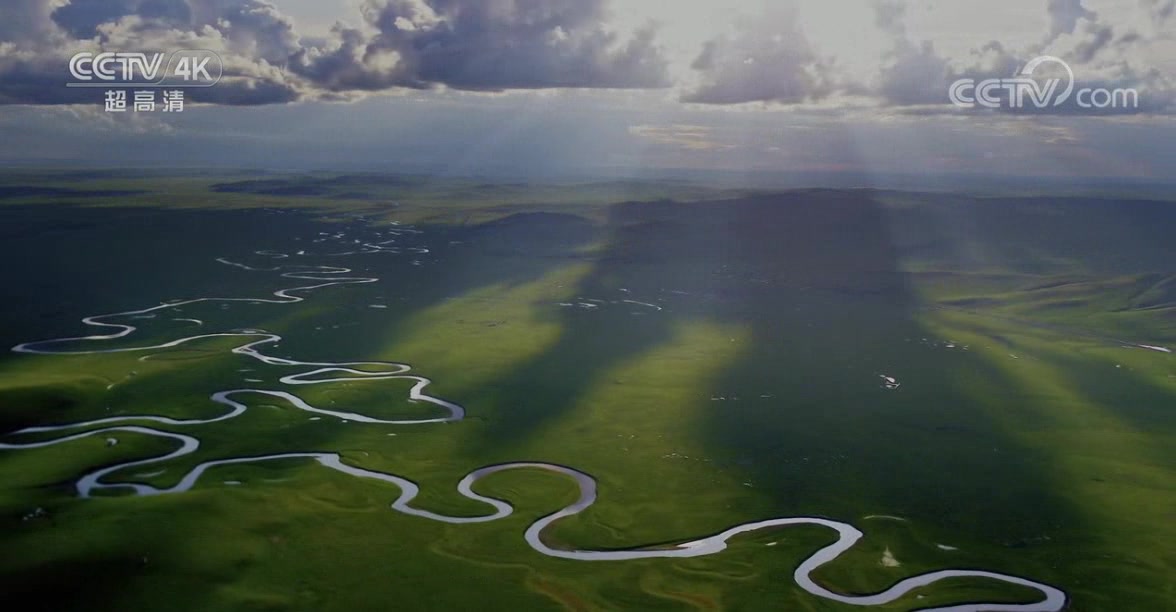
(764, 59)
(481, 45)
(501, 45)
(769, 60)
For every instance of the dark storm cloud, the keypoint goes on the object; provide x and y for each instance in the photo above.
(28, 82)
(480, 45)
(81, 18)
(24, 20)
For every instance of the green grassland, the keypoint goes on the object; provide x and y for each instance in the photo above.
(1030, 435)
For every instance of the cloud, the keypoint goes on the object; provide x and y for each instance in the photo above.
(484, 45)
(768, 59)
(1064, 16)
(916, 75)
(1102, 55)
(252, 72)
(251, 36)
(82, 18)
(764, 59)
(503, 45)
(1160, 10)
(479, 45)
(26, 20)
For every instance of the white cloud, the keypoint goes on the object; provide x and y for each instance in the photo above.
(463, 44)
(773, 60)
(766, 58)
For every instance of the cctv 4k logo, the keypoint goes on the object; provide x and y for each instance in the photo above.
(186, 68)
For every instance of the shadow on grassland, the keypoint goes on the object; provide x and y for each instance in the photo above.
(816, 429)
(812, 274)
(953, 447)
(814, 279)
(774, 263)
(91, 579)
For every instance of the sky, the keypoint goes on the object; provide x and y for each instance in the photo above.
(602, 87)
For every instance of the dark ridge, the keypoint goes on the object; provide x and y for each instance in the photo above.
(30, 191)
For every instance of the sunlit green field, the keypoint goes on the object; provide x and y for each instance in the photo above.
(711, 357)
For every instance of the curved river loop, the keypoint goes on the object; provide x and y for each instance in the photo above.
(314, 373)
